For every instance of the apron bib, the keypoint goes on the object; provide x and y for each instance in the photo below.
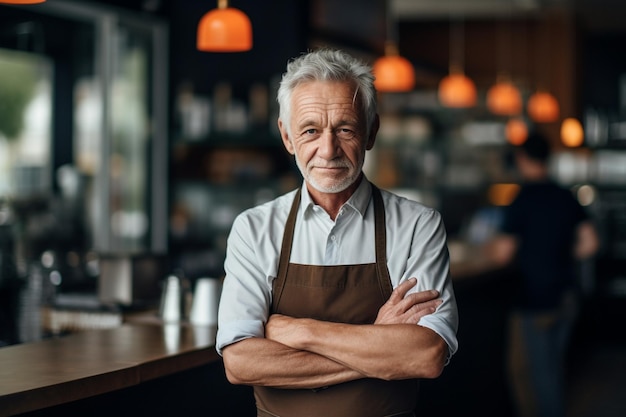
(342, 293)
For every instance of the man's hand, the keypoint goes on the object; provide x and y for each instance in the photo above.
(402, 308)
(282, 329)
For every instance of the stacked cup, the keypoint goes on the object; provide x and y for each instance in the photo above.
(205, 303)
(171, 310)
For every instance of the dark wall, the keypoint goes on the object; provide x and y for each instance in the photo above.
(602, 71)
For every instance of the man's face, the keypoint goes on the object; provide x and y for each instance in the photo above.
(327, 134)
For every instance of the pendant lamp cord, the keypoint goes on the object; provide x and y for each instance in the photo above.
(505, 43)
(457, 43)
(391, 43)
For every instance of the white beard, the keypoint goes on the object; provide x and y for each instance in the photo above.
(340, 184)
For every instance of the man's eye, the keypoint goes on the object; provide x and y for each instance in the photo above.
(310, 132)
(345, 133)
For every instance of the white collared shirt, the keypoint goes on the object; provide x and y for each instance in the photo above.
(416, 247)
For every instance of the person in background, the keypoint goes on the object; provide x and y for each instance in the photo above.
(544, 231)
(337, 296)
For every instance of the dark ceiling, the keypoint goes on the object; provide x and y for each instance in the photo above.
(594, 15)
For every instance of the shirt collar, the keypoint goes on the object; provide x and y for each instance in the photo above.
(358, 201)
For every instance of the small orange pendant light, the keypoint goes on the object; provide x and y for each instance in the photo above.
(516, 131)
(224, 29)
(504, 99)
(393, 73)
(21, 1)
(543, 107)
(457, 90)
(572, 133)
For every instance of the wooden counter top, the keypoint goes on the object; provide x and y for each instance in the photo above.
(57, 371)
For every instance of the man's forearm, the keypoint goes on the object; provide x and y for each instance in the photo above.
(395, 351)
(263, 362)
(587, 241)
(394, 347)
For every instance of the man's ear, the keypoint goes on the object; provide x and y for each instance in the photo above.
(373, 132)
(285, 137)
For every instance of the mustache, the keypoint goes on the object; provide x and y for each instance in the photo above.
(339, 163)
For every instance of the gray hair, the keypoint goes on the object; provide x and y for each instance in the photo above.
(328, 65)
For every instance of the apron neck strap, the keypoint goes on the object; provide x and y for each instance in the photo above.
(380, 244)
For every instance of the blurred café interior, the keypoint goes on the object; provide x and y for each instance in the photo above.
(126, 151)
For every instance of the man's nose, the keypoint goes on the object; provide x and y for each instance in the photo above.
(328, 145)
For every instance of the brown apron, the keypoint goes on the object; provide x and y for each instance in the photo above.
(343, 293)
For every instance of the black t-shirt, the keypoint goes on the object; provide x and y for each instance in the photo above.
(544, 218)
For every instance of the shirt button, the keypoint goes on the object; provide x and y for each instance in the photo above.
(333, 238)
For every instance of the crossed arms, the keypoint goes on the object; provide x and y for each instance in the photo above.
(307, 353)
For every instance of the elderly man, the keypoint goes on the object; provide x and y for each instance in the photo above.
(337, 296)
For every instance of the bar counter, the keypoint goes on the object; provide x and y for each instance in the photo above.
(39, 375)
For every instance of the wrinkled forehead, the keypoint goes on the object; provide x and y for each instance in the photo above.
(341, 92)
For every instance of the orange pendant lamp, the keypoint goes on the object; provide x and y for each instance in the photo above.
(457, 90)
(393, 73)
(224, 29)
(21, 1)
(503, 98)
(543, 107)
(572, 133)
(516, 131)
